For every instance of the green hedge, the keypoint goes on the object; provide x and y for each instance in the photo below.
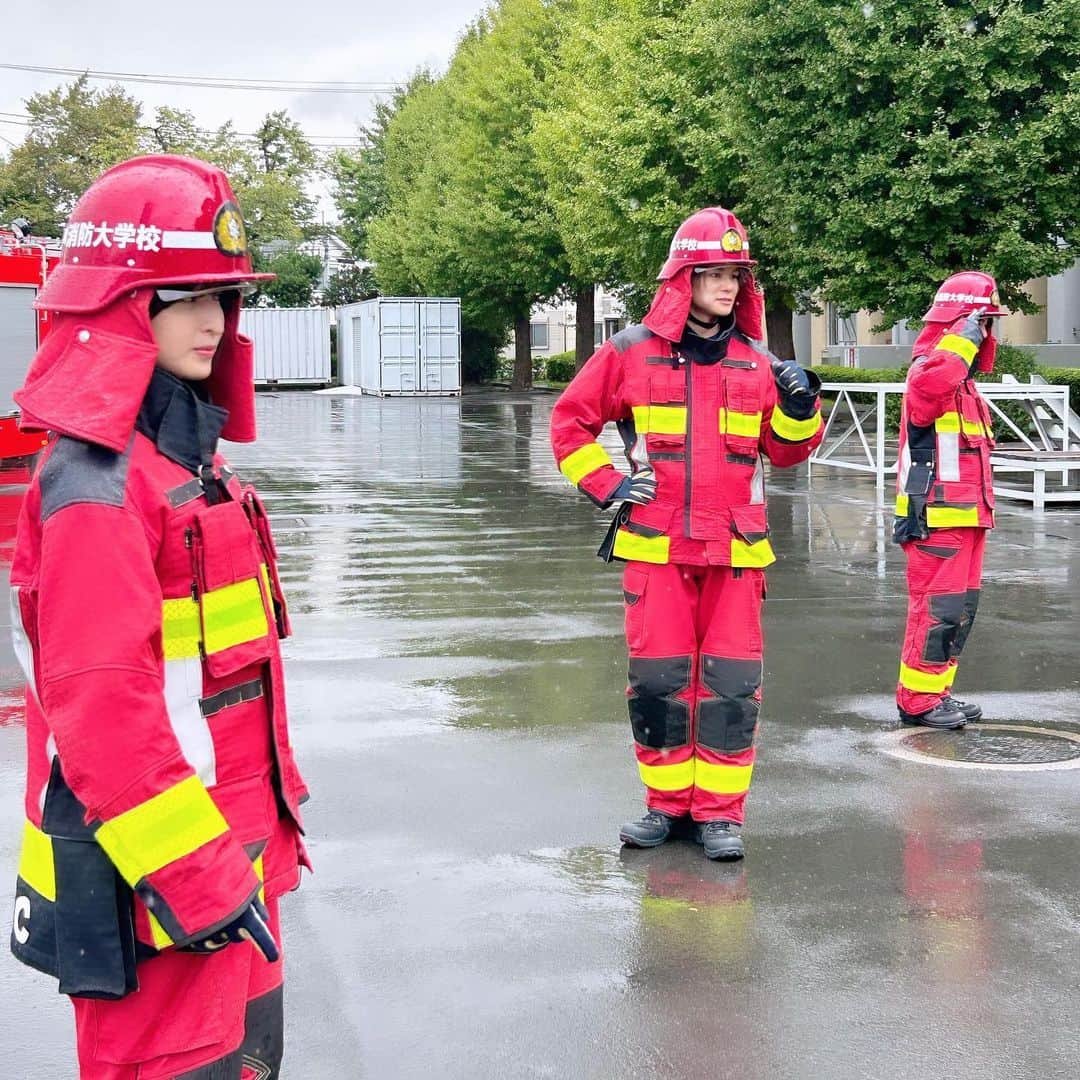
(560, 368)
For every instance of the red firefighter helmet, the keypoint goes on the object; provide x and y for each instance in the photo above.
(156, 220)
(962, 294)
(713, 235)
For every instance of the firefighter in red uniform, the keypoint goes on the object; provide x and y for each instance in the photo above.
(162, 797)
(698, 401)
(945, 495)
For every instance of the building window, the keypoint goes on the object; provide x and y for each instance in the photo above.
(841, 328)
(538, 332)
(597, 335)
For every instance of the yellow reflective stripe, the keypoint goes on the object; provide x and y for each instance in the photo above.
(588, 458)
(924, 682)
(668, 777)
(963, 348)
(747, 425)
(951, 517)
(722, 779)
(948, 423)
(181, 630)
(161, 830)
(160, 939)
(660, 419)
(667, 419)
(36, 866)
(650, 549)
(232, 615)
(902, 503)
(758, 554)
(794, 430)
(974, 427)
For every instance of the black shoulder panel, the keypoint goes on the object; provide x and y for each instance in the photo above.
(80, 472)
(632, 335)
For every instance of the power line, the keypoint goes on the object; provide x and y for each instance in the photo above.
(345, 142)
(218, 82)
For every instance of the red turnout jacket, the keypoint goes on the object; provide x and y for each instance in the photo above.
(703, 428)
(147, 614)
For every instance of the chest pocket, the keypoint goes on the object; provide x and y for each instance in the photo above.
(663, 420)
(740, 413)
(260, 522)
(976, 422)
(233, 587)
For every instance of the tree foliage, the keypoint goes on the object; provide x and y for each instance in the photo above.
(893, 142)
(348, 286)
(297, 277)
(75, 134)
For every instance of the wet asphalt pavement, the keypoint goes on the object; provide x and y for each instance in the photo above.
(455, 685)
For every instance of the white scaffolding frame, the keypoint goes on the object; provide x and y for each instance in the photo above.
(847, 417)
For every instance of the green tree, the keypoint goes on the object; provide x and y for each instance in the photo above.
(75, 134)
(897, 141)
(639, 135)
(348, 286)
(297, 276)
(360, 176)
(466, 211)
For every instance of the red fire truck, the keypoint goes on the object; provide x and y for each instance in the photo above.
(25, 262)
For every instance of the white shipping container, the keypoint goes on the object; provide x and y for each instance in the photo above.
(395, 345)
(292, 345)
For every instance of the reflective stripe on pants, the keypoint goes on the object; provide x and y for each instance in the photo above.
(695, 644)
(944, 573)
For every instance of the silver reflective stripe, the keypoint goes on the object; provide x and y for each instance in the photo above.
(948, 456)
(638, 454)
(905, 466)
(24, 651)
(183, 689)
(757, 483)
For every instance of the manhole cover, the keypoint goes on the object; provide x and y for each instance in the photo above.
(1015, 747)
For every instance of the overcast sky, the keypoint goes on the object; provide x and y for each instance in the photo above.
(323, 40)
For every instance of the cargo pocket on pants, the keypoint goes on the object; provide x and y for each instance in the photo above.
(635, 582)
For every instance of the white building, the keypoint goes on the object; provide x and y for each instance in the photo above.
(553, 326)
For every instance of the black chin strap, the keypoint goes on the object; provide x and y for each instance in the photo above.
(710, 325)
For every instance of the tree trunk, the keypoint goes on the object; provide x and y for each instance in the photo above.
(778, 325)
(522, 353)
(586, 318)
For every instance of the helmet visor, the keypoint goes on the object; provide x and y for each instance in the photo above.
(171, 295)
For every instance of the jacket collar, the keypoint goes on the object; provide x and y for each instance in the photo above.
(184, 427)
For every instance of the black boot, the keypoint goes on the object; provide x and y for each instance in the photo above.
(940, 716)
(721, 839)
(971, 711)
(650, 831)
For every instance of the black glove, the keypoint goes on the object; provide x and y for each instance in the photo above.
(792, 380)
(252, 924)
(639, 488)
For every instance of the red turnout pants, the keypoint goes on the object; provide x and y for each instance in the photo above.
(214, 1016)
(694, 637)
(943, 576)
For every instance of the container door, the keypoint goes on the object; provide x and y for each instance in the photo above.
(441, 352)
(399, 339)
(18, 339)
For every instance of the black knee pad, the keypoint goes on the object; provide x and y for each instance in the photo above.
(727, 722)
(948, 610)
(971, 605)
(658, 720)
(264, 1035)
